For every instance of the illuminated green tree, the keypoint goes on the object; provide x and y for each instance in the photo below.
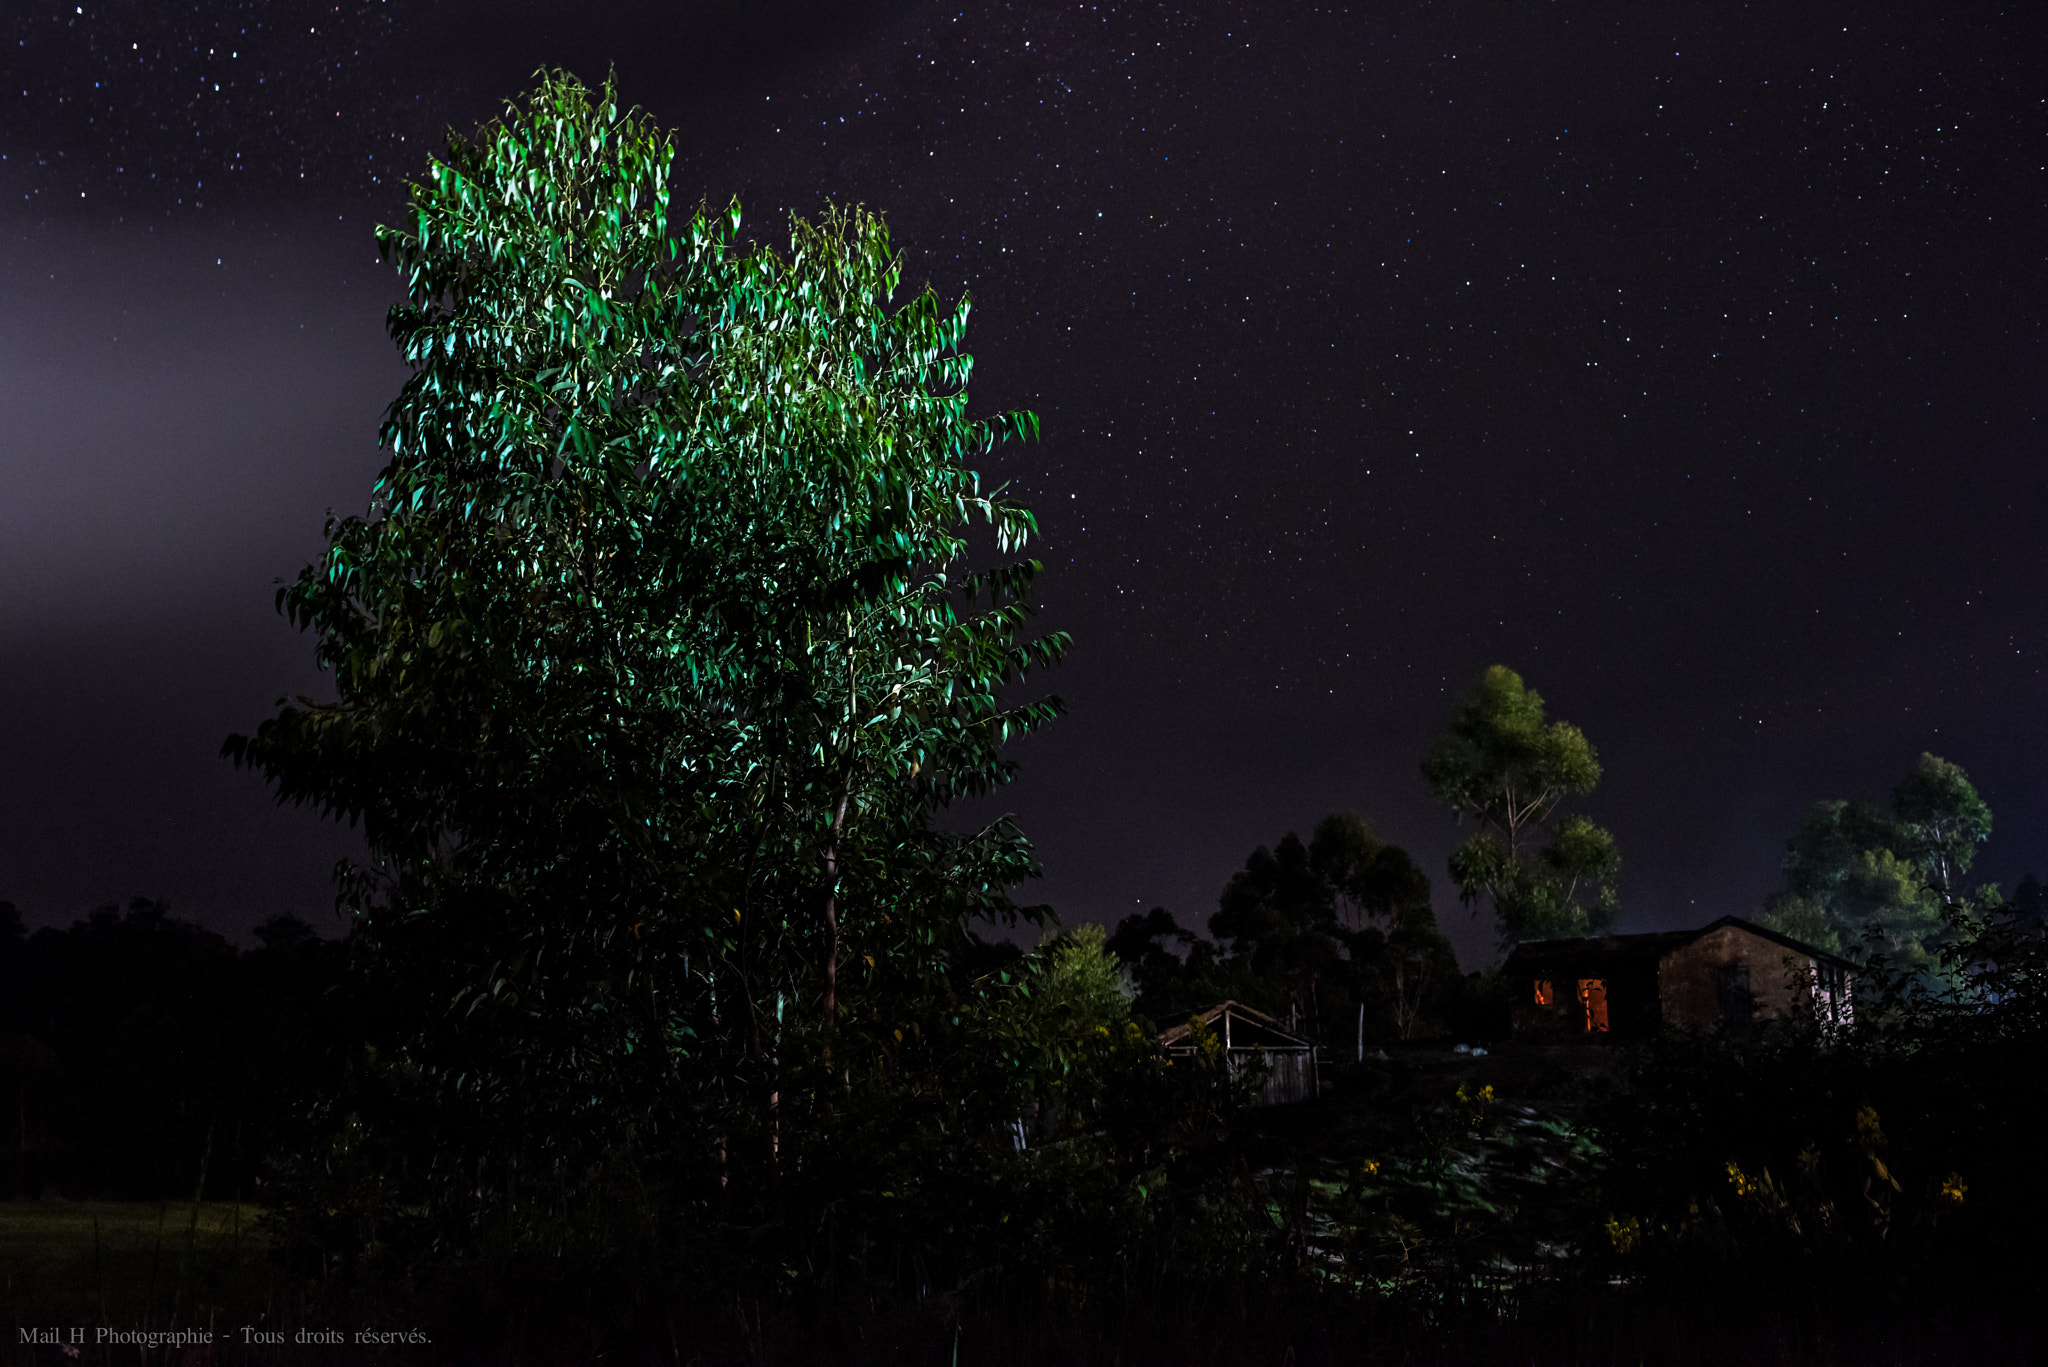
(654, 656)
(1082, 988)
(1504, 765)
(1940, 822)
(1860, 877)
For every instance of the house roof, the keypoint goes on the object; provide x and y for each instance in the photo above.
(1251, 1029)
(1536, 955)
(1647, 949)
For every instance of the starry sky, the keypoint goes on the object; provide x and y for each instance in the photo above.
(1687, 358)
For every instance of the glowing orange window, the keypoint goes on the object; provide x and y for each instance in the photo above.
(1593, 998)
(1544, 993)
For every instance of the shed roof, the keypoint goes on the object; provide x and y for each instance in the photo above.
(1535, 955)
(1250, 1029)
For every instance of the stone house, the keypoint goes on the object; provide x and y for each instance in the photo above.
(1629, 986)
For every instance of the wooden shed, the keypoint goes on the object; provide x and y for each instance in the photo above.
(1284, 1062)
(1628, 986)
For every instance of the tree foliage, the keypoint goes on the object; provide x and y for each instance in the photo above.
(1940, 821)
(142, 1055)
(1502, 764)
(1311, 932)
(1082, 988)
(654, 657)
(1862, 878)
(1902, 1148)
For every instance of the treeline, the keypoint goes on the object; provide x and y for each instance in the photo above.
(144, 1056)
(1334, 936)
(1338, 934)
(1081, 1189)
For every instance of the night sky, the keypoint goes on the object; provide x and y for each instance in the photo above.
(1686, 358)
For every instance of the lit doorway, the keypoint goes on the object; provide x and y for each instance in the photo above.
(1593, 1000)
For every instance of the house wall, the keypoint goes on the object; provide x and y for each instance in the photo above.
(1561, 1017)
(1284, 1074)
(1631, 999)
(1689, 981)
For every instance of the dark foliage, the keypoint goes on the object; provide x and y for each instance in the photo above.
(143, 1056)
(1906, 1147)
(1335, 935)
(1780, 1191)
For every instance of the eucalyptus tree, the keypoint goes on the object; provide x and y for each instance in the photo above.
(1940, 822)
(1503, 764)
(1860, 877)
(654, 656)
(1400, 959)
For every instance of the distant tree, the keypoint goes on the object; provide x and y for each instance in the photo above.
(1277, 890)
(2030, 901)
(1401, 963)
(1176, 972)
(1805, 919)
(1082, 989)
(1940, 822)
(1373, 881)
(1861, 878)
(654, 656)
(1415, 973)
(1279, 916)
(1888, 897)
(1826, 843)
(146, 1057)
(1309, 931)
(1151, 948)
(284, 934)
(1502, 764)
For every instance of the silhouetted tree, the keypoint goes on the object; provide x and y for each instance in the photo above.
(1152, 947)
(2029, 901)
(1310, 932)
(146, 1057)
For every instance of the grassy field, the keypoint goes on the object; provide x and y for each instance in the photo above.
(130, 1265)
(46, 1230)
